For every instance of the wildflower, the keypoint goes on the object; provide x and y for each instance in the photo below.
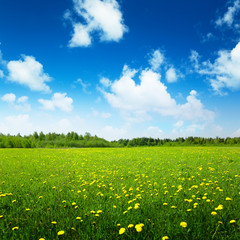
(54, 222)
(233, 221)
(78, 218)
(73, 204)
(165, 238)
(99, 211)
(219, 207)
(139, 227)
(165, 204)
(40, 198)
(122, 230)
(213, 213)
(183, 224)
(15, 228)
(27, 209)
(228, 199)
(41, 238)
(1, 216)
(220, 222)
(130, 225)
(60, 233)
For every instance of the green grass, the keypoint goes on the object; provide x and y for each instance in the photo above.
(129, 186)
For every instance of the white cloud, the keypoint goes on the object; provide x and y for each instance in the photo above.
(28, 72)
(84, 85)
(179, 124)
(99, 16)
(171, 75)
(156, 60)
(22, 99)
(224, 72)
(228, 17)
(9, 98)
(154, 132)
(105, 82)
(151, 96)
(58, 100)
(19, 104)
(17, 124)
(1, 74)
(81, 36)
(236, 133)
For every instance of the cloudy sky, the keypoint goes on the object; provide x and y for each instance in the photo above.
(120, 69)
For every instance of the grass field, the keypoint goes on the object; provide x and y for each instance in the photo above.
(124, 193)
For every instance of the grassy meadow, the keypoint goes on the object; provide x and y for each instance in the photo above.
(121, 193)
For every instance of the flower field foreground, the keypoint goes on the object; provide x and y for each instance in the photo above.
(124, 193)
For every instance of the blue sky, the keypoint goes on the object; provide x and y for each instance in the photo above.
(120, 69)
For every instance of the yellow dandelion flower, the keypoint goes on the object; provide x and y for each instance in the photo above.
(40, 197)
(99, 211)
(165, 204)
(97, 215)
(1, 216)
(228, 199)
(27, 209)
(183, 224)
(54, 222)
(78, 218)
(122, 231)
(233, 221)
(60, 233)
(220, 222)
(130, 225)
(15, 228)
(165, 237)
(41, 238)
(213, 213)
(118, 224)
(139, 227)
(73, 204)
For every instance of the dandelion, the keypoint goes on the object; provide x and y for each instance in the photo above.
(54, 222)
(78, 218)
(139, 227)
(60, 233)
(73, 204)
(130, 225)
(40, 197)
(1, 216)
(122, 230)
(165, 237)
(15, 228)
(183, 224)
(213, 213)
(233, 221)
(41, 238)
(228, 199)
(27, 209)
(165, 204)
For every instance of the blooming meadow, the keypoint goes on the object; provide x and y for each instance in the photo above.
(123, 193)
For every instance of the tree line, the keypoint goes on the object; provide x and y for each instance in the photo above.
(75, 140)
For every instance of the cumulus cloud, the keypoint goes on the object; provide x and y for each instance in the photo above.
(156, 60)
(19, 104)
(103, 17)
(9, 98)
(150, 96)
(224, 72)
(58, 100)
(228, 17)
(28, 72)
(171, 75)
